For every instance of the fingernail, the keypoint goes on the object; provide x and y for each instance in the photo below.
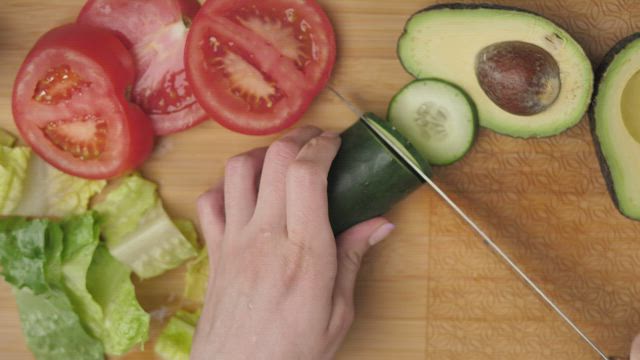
(330, 134)
(381, 233)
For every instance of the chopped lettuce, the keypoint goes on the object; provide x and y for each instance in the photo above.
(61, 271)
(197, 278)
(6, 139)
(138, 230)
(100, 288)
(13, 174)
(31, 258)
(23, 253)
(53, 331)
(48, 192)
(174, 343)
(125, 323)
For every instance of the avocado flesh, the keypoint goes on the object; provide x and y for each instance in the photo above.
(444, 41)
(630, 106)
(615, 122)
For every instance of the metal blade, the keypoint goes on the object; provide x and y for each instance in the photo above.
(492, 244)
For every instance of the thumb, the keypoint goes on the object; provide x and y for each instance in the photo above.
(353, 244)
(635, 349)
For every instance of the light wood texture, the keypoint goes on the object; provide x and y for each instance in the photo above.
(432, 290)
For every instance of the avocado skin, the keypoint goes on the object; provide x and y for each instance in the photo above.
(599, 74)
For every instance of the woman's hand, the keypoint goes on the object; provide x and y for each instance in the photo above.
(281, 286)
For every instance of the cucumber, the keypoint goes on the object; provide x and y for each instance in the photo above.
(437, 117)
(367, 178)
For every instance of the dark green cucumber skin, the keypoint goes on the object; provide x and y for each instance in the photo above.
(599, 74)
(366, 179)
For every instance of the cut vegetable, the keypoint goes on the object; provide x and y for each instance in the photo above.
(13, 175)
(438, 118)
(125, 323)
(48, 192)
(256, 65)
(615, 123)
(6, 139)
(51, 328)
(367, 178)
(31, 257)
(156, 32)
(139, 232)
(527, 76)
(174, 343)
(100, 288)
(70, 104)
(197, 278)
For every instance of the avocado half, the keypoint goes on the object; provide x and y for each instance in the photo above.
(615, 123)
(444, 41)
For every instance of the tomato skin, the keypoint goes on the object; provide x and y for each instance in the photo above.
(155, 31)
(110, 71)
(221, 22)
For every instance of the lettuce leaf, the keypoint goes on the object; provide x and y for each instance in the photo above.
(53, 331)
(6, 139)
(23, 253)
(175, 341)
(138, 231)
(31, 256)
(125, 323)
(197, 278)
(13, 174)
(48, 192)
(100, 288)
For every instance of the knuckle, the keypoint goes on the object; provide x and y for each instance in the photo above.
(206, 200)
(238, 163)
(284, 148)
(351, 260)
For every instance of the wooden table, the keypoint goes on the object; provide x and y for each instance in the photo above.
(432, 290)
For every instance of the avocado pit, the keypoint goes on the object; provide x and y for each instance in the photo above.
(521, 78)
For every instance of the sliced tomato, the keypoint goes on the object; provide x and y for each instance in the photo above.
(156, 32)
(70, 105)
(256, 65)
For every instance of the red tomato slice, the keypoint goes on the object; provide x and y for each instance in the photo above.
(156, 33)
(255, 66)
(69, 104)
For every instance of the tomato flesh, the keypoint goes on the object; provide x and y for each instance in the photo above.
(60, 83)
(255, 66)
(70, 105)
(84, 138)
(156, 32)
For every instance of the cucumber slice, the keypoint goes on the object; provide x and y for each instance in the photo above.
(437, 117)
(367, 178)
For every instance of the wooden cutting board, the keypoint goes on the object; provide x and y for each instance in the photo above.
(432, 290)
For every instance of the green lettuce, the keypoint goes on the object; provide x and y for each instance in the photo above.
(197, 278)
(175, 341)
(23, 253)
(100, 288)
(13, 174)
(125, 323)
(48, 192)
(6, 139)
(52, 329)
(31, 257)
(138, 230)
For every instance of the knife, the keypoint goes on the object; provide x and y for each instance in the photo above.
(487, 240)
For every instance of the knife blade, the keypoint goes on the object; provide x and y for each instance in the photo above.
(487, 240)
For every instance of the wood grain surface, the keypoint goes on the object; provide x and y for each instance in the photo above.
(432, 290)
